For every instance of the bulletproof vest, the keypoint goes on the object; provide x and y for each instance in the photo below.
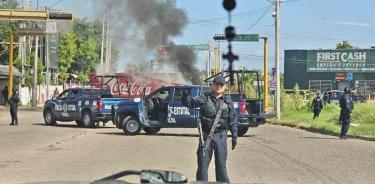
(208, 114)
(14, 102)
(317, 103)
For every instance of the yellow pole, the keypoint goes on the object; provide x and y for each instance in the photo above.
(10, 84)
(216, 61)
(265, 85)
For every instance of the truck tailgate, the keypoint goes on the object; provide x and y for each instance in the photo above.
(108, 102)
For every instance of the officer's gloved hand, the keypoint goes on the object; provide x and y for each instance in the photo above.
(234, 142)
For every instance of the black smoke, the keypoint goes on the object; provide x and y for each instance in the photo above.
(145, 25)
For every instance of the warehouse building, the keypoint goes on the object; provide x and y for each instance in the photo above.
(323, 70)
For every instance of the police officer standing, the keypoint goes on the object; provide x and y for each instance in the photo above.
(346, 105)
(317, 106)
(13, 102)
(215, 109)
(4, 94)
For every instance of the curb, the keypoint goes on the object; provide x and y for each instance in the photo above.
(320, 131)
(22, 108)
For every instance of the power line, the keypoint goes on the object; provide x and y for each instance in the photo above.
(242, 14)
(322, 38)
(260, 18)
(58, 2)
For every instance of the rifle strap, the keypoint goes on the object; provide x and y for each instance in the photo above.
(214, 125)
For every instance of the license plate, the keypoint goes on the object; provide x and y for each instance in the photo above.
(110, 106)
(235, 104)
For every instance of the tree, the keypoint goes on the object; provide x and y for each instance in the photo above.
(85, 40)
(67, 53)
(344, 45)
(5, 28)
(8, 4)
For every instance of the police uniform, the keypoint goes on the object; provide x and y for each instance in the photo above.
(13, 102)
(346, 104)
(317, 106)
(209, 105)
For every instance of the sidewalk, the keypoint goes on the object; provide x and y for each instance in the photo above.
(22, 108)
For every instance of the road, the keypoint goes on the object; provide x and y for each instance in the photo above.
(268, 154)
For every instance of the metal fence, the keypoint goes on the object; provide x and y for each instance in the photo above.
(366, 87)
(320, 85)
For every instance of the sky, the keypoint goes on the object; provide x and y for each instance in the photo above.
(304, 24)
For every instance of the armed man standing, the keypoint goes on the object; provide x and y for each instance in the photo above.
(346, 104)
(13, 102)
(217, 115)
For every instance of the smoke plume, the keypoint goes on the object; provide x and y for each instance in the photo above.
(140, 27)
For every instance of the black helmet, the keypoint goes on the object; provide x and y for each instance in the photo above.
(347, 90)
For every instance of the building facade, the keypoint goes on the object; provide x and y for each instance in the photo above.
(323, 70)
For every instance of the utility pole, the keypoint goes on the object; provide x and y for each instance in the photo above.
(10, 84)
(37, 4)
(110, 45)
(22, 40)
(277, 57)
(26, 4)
(102, 49)
(47, 76)
(35, 73)
(107, 47)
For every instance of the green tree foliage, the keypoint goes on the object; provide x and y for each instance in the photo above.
(28, 69)
(79, 50)
(67, 53)
(344, 45)
(5, 28)
(8, 4)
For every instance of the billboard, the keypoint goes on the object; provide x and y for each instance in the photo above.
(354, 60)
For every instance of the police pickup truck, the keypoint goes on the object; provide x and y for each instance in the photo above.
(86, 106)
(163, 109)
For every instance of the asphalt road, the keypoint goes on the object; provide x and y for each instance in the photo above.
(33, 152)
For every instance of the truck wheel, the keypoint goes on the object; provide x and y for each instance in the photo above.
(87, 120)
(49, 119)
(151, 130)
(131, 126)
(242, 130)
(79, 123)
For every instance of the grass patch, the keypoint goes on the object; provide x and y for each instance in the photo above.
(362, 122)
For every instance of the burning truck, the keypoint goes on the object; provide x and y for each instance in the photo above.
(124, 85)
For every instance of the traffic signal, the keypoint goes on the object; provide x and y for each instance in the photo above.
(220, 37)
(57, 15)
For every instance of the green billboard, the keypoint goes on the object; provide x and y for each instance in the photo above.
(354, 60)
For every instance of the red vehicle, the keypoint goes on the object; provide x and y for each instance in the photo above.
(127, 85)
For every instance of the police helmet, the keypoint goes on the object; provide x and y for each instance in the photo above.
(347, 90)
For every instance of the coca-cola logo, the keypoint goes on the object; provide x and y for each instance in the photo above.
(135, 88)
(128, 85)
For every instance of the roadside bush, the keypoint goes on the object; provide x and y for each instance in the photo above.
(292, 101)
(364, 113)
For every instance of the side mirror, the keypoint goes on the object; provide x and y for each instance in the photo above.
(158, 176)
(148, 176)
(137, 100)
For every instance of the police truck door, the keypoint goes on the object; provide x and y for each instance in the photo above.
(59, 104)
(178, 114)
(72, 104)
